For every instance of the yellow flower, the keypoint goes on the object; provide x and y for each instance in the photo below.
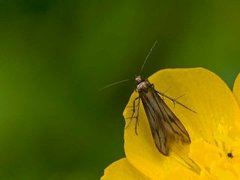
(214, 152)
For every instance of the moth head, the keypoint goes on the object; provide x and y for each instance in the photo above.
(139, 79)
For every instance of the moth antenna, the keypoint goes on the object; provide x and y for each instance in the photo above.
(149, 53)
(113, 84)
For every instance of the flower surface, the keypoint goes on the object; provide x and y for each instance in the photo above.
(214, 151)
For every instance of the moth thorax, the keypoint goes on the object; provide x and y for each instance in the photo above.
(143, 86)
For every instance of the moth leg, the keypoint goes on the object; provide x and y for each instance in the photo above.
(166, 92)
(163, 93)
(134, 105)
(174, 100)
(133, 112)
(137, 121)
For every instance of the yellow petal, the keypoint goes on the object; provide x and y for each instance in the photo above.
(205, 93)
(122, 170)
(236, 92)
(236, 88)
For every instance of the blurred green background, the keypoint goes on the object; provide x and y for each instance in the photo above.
(55, 124)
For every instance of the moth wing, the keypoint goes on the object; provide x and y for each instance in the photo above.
(157, 127)
(163, 123)
(171, 122)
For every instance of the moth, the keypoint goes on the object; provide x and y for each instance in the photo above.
(164, 124)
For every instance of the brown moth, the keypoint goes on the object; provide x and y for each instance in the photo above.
(164, 124)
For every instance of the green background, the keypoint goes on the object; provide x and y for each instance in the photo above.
(55, 55)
